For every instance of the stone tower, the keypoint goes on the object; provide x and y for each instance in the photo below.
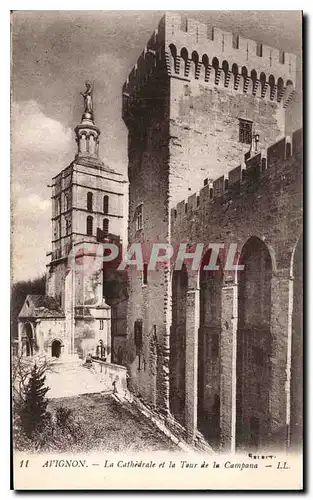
(88, 200)
(198, 102)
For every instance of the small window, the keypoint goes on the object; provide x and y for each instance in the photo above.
(259, 49)
(101, 324)
(145, 274)
(105, 204)
(235, 41)
(105, 227)
(89, 225)
(245, 131)
(139, 218)
(89, 201)
(205, 182)
(175, 213)
(282, 57)
(198, 201)
(186, 208)
(211, 193)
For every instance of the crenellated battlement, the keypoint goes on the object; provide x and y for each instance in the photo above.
(198, 41)
(189, 50)
(225, 188)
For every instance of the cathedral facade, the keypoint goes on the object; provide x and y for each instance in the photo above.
(215, 158)
(88, 208)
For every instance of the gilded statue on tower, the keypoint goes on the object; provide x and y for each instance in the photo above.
(87, 95)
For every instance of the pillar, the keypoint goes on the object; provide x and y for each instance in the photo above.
(163, 358)
(109, 341)
(279, 390)
(83, 143)
(191, 376)
(228, 357)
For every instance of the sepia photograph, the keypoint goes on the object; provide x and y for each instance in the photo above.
(156, 250)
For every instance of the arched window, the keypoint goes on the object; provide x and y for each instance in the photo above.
(89, 201)
(89, 225)
(105, 204)
(106, 227)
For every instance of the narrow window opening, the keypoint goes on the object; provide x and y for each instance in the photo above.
(106, 227)
(89, 201)
(105, 204)
(245, 131)
(89, 225)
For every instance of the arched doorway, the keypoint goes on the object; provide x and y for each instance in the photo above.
(296, 388)
(253, 345)
(28, 339)
(209, 337)
(56, 349)
(178, 344)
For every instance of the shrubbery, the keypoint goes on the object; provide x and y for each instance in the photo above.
(35, 428)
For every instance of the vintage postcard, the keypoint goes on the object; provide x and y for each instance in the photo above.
(157, 250)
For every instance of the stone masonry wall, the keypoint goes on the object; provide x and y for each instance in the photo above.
(204, 131)
(148, 177)
(182, 110)
(268, 206)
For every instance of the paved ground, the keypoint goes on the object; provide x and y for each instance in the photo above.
(72, 379)
(108, 426)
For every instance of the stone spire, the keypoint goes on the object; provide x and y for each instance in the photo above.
(87, 134)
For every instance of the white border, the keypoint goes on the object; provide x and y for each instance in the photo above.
(5, 176)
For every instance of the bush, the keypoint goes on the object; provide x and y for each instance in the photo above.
(63, 416)
(35, 428)
(33, 411)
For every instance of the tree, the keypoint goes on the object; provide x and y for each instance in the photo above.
(33, 411)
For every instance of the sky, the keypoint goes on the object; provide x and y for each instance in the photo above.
(53, 53)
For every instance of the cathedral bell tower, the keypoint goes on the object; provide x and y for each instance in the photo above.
(87, 201)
